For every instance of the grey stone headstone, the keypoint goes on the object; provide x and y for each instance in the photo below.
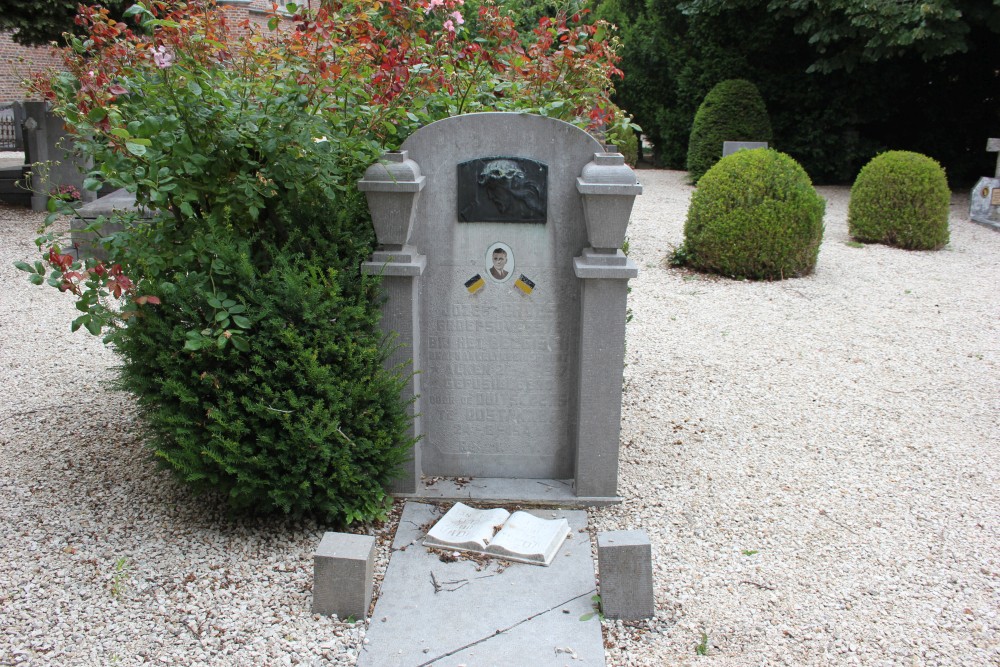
(498, 376)
(343, 567)
(730, 147)
(512, 325)
(50, 148)
(984, 206)
(117, 202)
(984, 202)
(624, 561)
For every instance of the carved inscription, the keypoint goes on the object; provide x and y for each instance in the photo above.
(498, 372)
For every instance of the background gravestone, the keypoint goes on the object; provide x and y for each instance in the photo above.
(984, 206)
(488, 295)
(48, 148)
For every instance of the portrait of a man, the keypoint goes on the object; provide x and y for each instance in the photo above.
(499, 262)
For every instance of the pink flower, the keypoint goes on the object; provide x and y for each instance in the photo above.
(458, 17)
(449, 26)
(432, 4)
(162, 58)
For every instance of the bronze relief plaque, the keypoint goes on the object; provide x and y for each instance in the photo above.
(502, 189)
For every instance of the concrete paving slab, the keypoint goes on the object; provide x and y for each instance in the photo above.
(484, 613)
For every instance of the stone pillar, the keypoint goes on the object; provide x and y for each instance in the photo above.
(401, 271)
(603, 293)
(36, 151)
(392, 186)
(608, 188)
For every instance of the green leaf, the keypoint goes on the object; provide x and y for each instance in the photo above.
(77, 323)
(135, 149)
(272, 24)
(93, 326)
(36, 279)
(214, 302)
(193, 344)
(221, 340)
(121, 133)
(24, 266)
(92, 184)
(222, 315)
(240, 343)
(194, 88)
(241, 322)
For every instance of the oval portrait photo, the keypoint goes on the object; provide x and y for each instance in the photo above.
(499, 262)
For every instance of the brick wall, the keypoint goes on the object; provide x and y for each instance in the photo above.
(18, 63)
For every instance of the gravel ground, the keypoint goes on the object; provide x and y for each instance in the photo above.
(815, 461)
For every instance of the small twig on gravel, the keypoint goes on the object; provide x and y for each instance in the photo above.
(765, 587)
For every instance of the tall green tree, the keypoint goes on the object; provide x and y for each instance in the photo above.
(842, 79)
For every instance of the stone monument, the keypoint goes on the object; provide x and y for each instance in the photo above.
(985, 205)
(500, 240)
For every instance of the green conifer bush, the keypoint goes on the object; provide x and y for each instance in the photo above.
(306, 421)
(900, 198)
(732, 111)
(754, 215)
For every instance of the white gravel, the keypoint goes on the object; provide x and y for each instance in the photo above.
(815, 460)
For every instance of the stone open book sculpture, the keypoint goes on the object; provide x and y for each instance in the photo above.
(520, 536)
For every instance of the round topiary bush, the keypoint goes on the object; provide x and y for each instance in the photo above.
(755, 215)
(732, 111)
(900, 199)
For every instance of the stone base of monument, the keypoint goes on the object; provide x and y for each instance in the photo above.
(984, 207)
(473, 610)
(495, 490)
(119, 201)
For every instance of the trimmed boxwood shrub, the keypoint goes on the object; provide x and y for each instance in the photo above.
(627, 143)
(755, 215)
(900, 199)
(732, 111)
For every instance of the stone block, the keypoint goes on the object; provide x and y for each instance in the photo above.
(343, 570)
(625, 564)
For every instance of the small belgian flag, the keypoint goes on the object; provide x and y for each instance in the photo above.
(523, 284)
(475, 283)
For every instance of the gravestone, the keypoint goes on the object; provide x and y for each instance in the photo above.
(730, 147)
(49, 151)
(985, 201)
(112, 207)
(500, 238)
